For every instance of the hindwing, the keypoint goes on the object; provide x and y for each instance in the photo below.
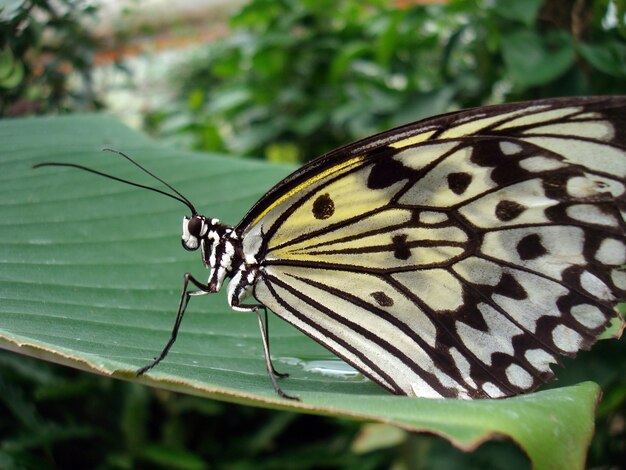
(455, 257)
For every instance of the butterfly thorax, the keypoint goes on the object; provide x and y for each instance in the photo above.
(222, 253)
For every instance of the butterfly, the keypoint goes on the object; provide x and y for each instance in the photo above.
(458, 256)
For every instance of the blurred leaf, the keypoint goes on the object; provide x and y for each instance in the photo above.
(376, 436)
(195, 100)
(341, 63)
(92, 271)
(535, 60)
(45, 434)
(174, 459)
(264, 437)
(14, 78)
(525, 11)
(424, 105)
(282, 153)
(228, 99)
(609, 58)
(6, 62)
(309, 123)
(11, 71)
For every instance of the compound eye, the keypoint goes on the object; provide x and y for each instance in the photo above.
(195, 226)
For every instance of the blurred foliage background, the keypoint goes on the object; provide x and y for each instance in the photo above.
(291, 81)
(42, 43)
(297, 79)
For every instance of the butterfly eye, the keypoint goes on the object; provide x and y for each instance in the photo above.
(195, 226)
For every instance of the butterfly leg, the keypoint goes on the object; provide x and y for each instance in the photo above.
(256, 308)
(266, 349)
(281, 375)
(203, 289)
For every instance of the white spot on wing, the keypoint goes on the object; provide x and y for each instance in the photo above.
(418, 157)
(430, 217)
(590, 214)
(539, 164)
(540, 359)
(519, 377)
(479, 271)
(566, 339)
(618, 276)
(493, 391)
(463, 365)
(600, 130)
(425, 392)
(595, 286)
(582, 187)
(510, 148)
(588, 315)
(611, 252)
(592, 185)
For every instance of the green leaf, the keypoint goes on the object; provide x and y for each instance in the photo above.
(377, 436)
(229, 99)
(11, 71)
(423, 105)
(609, 58)
(6, 62)
(14, 78)
(532, 59)
(525, 11)
(175, 459)
(92, 270)
(344, 58)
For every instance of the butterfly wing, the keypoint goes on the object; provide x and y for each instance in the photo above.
(458, 256)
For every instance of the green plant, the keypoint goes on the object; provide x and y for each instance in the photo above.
(296, 79)
(41, 43)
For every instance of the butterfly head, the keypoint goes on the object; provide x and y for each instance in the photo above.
(198, 227)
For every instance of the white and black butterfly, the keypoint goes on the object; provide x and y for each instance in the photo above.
(459, 256)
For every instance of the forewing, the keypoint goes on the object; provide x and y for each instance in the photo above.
(457, 257)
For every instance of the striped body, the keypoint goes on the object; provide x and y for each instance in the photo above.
(459, 256)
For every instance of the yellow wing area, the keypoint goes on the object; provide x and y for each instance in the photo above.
(458, 257)
(309, 183)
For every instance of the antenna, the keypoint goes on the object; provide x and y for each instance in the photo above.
(178, 196)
